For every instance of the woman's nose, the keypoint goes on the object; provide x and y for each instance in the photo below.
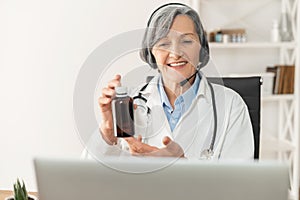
(175, 51)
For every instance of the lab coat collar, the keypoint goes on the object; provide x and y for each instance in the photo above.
(152, 85)
(204, 90)
(151, 92)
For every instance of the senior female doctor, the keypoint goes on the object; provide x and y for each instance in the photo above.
(186, 115)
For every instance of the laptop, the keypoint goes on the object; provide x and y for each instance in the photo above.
(160, 179)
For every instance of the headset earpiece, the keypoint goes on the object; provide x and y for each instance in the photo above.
(150, 59)
(204, 52)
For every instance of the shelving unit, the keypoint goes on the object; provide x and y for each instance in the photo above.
(279, 141)
(253, 45)
(277, 97)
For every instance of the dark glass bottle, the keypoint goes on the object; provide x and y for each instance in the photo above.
(122, 108)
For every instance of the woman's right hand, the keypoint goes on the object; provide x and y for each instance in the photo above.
(104, 101)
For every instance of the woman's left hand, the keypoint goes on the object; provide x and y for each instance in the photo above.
(138, 148)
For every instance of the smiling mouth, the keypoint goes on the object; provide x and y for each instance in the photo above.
(177, 64)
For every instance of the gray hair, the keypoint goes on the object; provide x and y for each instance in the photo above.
(159, 25)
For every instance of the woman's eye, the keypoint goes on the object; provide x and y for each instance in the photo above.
(163, 44)
(187, 41)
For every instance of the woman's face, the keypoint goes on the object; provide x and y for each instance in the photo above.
(177, 54)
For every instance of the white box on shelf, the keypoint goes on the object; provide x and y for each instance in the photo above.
(267, 83)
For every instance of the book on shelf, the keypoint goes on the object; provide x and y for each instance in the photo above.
(283, 79)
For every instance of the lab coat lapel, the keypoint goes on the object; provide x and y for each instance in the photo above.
(201, 105)
(158, 126)
(195, 125)
(151, 93)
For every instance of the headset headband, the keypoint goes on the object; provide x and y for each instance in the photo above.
(165, 5)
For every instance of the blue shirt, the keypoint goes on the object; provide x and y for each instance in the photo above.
(182, 102)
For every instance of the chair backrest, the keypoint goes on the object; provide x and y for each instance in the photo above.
(249, 89)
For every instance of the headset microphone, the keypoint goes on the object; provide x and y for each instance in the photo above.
(182, 83)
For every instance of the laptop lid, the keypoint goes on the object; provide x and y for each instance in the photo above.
(160, 179)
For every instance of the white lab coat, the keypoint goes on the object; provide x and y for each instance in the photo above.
(194, 130)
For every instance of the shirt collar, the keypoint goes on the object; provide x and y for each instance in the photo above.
(191, 93)
(164, 99)
(186, 98)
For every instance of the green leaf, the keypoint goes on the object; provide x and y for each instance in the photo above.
(20, 192)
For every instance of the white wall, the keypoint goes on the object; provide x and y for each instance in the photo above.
(42, 47)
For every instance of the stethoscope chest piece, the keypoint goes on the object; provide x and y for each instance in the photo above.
(206, 154)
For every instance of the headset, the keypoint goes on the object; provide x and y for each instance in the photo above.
(148, 57)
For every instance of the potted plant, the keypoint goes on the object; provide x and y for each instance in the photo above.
(20, 192)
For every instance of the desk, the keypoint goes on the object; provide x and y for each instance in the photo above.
(7, 193)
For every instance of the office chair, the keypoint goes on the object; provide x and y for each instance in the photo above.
(249, 89)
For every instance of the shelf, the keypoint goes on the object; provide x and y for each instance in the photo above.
(278, 97)
(216, 45)
(273, 144)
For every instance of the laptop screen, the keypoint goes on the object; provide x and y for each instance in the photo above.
(116, 179)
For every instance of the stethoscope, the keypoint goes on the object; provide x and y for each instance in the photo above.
(206, 153)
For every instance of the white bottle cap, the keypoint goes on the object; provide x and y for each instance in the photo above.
(120, 90)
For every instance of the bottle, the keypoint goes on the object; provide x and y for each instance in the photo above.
(226, 38)
(234, 38)
(275, 34)
(239, 38)
(285, 25)
(244, 38)
(122, 109)
(218, 36)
